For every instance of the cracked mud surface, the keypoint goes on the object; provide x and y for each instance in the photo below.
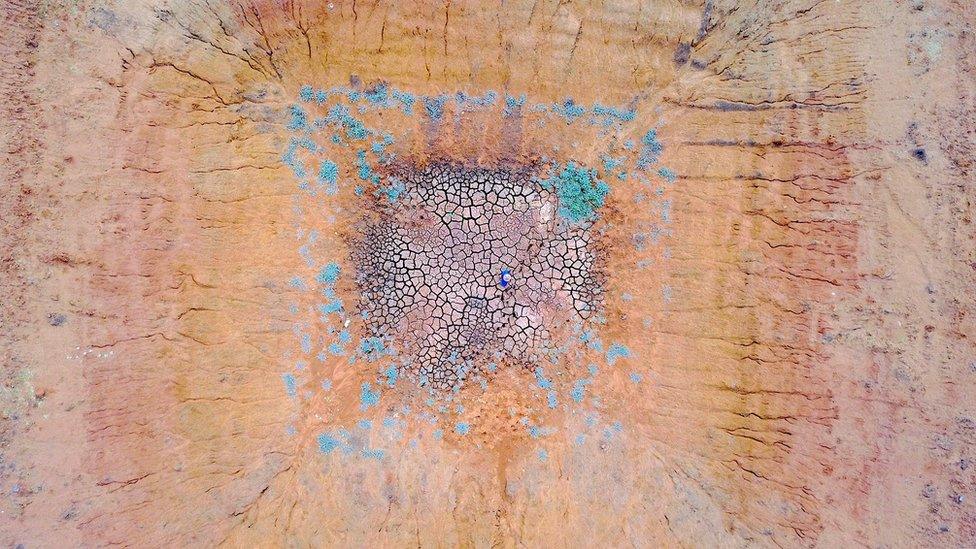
(471, 266)
(217, 307)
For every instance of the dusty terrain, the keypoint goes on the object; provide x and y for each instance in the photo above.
(781, 270)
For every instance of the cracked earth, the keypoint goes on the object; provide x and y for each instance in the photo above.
(540, 273)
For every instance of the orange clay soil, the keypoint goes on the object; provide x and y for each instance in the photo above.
(795, 297)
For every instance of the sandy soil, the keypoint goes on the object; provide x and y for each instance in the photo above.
(785, 356)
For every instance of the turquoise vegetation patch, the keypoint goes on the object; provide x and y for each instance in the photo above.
(581, 193)
(333, 150)
(329, 274)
